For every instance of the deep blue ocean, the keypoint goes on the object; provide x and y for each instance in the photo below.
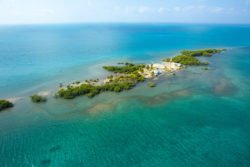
(195, 118)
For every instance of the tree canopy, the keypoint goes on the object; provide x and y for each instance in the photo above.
(128, 68)
(188, 57)
(4, 104)
(38, 99)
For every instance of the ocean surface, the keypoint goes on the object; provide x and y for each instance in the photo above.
(195, 118)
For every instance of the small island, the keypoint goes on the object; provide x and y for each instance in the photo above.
(204, 68)
(4, 104)
(189, 57)
(127, 75)
(151, 84)
(38, 99)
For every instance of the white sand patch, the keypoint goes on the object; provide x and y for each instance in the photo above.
(14, 99)
(45, 93)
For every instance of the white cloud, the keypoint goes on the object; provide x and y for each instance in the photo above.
(129, 9)
(177, 9)
(143, 9)
(217, 10)
(150, 10)
(160, 10)
(188, 8)
(245, 11)
(231, 10)
(200, 8)
(45, 12)
(117, 8)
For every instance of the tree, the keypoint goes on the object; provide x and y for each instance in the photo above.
(117, 89)
(151, 84)
(4, 104)
(204, 63)
(37, 99)
(204, 68)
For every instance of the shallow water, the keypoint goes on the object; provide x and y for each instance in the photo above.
(196, 118)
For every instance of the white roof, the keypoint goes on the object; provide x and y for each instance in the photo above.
(156, 71)
(178, 64)
(158, 65)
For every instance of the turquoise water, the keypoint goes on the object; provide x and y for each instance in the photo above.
(196, 118)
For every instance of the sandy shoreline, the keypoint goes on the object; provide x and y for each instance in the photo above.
(14, 99)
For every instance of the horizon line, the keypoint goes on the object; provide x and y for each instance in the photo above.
(53, 23)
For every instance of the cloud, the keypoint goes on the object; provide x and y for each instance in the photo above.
(117, 8)
(150, 10)
(140, 9)
(177, 9)
(89, 2)
(198, 9)
(143, 9)
(45, 12)
(217, 10)
(160, 10)
(188, 8)
(129, 9)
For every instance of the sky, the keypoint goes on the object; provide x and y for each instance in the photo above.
(139, 11)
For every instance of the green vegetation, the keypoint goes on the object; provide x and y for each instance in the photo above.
(167, 60)
(134, 77)
(151, 84)
(93, 80)
(204, 68)
(205, 63)
(202, 52)
(4, 104)
(129, 75)
(110, 77)
(129, 64)
(186, 60)
(116, 84)
(38, 99)
(90, 90)
(189, 57)
(127, 69)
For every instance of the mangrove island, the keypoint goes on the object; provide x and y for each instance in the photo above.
(4, 104)
(189, 57)
(127, 75)
(38, 99)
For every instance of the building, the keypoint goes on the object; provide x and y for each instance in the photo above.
(157, 72)
(160, 66)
